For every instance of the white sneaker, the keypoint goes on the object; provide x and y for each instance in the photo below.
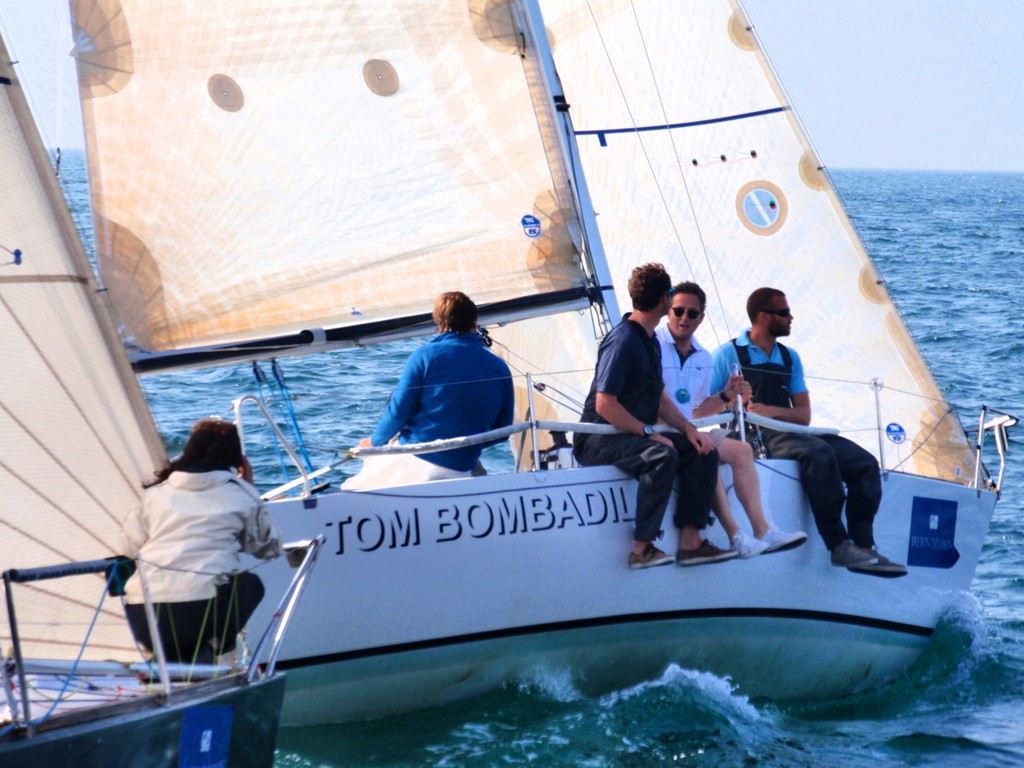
(748, 546)
(775, 540)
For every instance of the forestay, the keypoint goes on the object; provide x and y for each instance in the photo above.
(76, 440)
(260, 169)
(695, 159)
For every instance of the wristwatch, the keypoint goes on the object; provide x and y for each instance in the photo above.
(648, 430)
(725, 397)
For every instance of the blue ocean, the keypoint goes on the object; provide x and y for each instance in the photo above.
(950, 247)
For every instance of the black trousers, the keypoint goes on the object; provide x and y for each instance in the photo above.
(657, 466)
(197, 631)
(826, 463)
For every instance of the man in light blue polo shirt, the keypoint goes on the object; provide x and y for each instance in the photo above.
(827, 462)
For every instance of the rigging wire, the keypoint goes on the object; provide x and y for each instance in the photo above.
(279, 397)
(81, 651)
(570, 398)
(682, 177)
(679, 164)
(639, 135)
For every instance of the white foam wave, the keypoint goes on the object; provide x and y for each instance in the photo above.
(555, 683)
(718, 690)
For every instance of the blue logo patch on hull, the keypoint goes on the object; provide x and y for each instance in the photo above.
(205, 736)
(933, 533)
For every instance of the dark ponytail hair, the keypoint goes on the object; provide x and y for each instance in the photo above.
(212, 444)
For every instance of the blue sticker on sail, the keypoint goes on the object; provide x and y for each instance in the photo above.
(761, 207)
(205, 736)
(895, 433)
(531, 225)
(932, 533)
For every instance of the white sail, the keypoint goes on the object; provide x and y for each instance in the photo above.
(76, 439)
(260, 169)
(695, 159)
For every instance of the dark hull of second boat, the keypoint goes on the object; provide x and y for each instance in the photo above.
(220, 722)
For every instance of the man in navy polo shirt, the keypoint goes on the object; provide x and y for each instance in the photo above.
(628, 393)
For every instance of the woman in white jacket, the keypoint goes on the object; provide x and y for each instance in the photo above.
(198, 514)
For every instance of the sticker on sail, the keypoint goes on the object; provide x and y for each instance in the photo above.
(761, 207)
(932, 533)
(531, 225)
(896, 433)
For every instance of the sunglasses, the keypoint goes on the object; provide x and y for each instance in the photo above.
(693, 314)
(779, 312)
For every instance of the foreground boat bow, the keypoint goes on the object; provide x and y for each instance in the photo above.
(98, 714)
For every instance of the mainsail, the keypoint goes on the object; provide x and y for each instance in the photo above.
(695, 159)
(264, 169)
(76, 439)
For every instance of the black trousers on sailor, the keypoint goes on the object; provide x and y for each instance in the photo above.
(826, 463)
(657, 466)
(199, 630)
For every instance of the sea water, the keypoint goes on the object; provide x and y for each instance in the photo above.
(950, 247)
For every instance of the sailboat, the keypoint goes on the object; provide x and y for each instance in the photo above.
(118, 712)
(77, 443)
(280, 180)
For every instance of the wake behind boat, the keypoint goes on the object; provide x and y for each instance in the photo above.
(284, 226)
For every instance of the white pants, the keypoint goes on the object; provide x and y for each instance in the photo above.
(398, 469)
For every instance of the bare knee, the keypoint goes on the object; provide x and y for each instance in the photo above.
(735, 452)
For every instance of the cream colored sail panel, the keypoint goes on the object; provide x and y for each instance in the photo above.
(272, 167)
(559, 353)
(730, 197)
(75, 442)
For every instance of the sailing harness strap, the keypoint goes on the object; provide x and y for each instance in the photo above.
(770, 385)
(769, 381)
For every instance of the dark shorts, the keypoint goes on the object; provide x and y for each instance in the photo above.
(196, 631)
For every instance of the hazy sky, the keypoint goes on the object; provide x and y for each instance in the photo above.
(934, 84)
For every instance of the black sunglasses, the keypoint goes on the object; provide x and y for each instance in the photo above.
(693, 314)
(779, 312)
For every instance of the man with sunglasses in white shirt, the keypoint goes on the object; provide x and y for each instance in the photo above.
(827, 462)
(686, 370)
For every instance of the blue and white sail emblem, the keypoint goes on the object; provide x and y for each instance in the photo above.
(531, 225)
(895, 433)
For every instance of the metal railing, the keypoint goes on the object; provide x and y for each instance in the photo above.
(262, 663)
(273, 636)
(304, 475)
(27, 575)
(998, 424)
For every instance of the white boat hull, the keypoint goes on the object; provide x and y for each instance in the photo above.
(429, 594)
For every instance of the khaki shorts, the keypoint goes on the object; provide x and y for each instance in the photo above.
(718, 434)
